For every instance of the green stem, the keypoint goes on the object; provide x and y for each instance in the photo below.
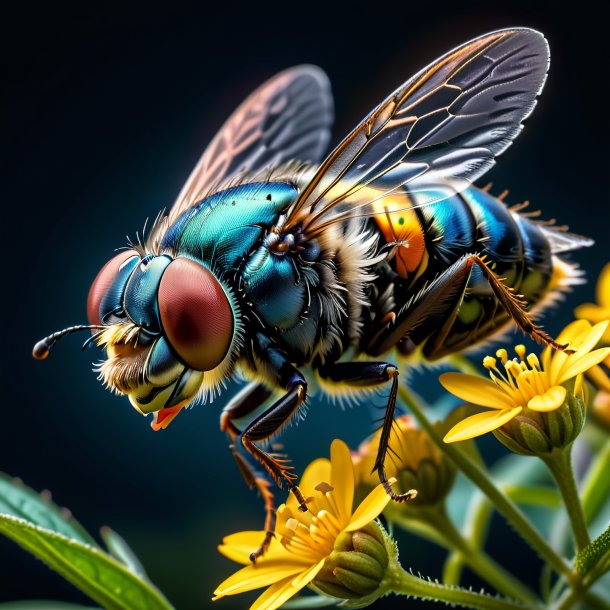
(481, 479)
(406, 584)
(596, 487)
(481, 563)
(573, 596)
(559, 463)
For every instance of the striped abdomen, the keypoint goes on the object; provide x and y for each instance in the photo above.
(429, 239)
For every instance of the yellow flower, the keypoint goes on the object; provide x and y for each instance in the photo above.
(525, 384)
(600, 311)
(304, 542)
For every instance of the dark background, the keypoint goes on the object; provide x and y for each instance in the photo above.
(105, 110)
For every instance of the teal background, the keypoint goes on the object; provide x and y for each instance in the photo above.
(106, 108)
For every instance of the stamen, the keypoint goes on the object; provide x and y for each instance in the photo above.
(489, 362)
(520, 351)
(503, 355)
(533, 361)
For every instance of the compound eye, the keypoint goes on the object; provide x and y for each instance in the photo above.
(196, 314)
(107, 289)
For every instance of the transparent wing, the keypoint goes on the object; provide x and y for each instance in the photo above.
(435, 134)
(288, 117)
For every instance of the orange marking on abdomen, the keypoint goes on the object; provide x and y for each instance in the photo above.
(400, 225)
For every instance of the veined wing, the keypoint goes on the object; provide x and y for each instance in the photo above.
(288, 117)
(435, 134)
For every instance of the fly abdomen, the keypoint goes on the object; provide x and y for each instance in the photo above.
(498, 237)
(432, 242)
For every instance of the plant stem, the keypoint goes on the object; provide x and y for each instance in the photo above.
(481, 479)
(560, 465)
(406, 584)
(481, 563)
(596, 487)
(573, 596)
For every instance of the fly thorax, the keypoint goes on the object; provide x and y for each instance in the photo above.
(273, 286)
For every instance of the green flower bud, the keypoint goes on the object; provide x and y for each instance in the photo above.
(538, 433)
(357, 567)
(414, 460)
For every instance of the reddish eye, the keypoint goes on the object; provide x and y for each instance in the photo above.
(99, 291)
(196, 314)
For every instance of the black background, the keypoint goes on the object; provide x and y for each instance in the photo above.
(106, 108)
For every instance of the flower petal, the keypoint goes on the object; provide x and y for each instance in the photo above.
(260, 574)
(573, 330)
(599, 378)
(303, 579)
(237, 547)
(275, 595)
(342, 478)
(476, 390)
(552, 399)
(316, 472)
(593, 313)
(370, 508)
(582, 364)
(279, 593)
(589, 340)
(570, 335)
(479, 424)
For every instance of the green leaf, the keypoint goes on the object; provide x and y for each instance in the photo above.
(41, 604)
(594, 559)
(101, 577)
(21, 501)
(120, 550)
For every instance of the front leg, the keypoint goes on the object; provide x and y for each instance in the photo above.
(368, 374)
(280, 373)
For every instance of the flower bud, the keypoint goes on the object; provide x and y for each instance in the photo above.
(538, 433)
(356, 569)
(413, 459)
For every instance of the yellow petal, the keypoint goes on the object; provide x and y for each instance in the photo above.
(279, 593)
(342, 478)
(316, 472)
(303, 579)
(570, 335)
(237, 547)
(370, 508)
(599, 378)
(602, 292)
(260, 574)
(549, 401)
(477, 390)
(479, 424)
(587, 341)
(275, 595)
(582, 364)
(573, 330)
(593, 313)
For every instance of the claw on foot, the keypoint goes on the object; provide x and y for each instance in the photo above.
(403, 497)
(262, 548)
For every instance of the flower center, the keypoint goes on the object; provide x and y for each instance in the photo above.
(313, 533)
(522, 378)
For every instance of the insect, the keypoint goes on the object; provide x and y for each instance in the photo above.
(296, 275)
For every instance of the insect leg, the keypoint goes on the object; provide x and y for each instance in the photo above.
(437, 307)
(244, 403)
(274, 365)
(367, 374)
(265, 426)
